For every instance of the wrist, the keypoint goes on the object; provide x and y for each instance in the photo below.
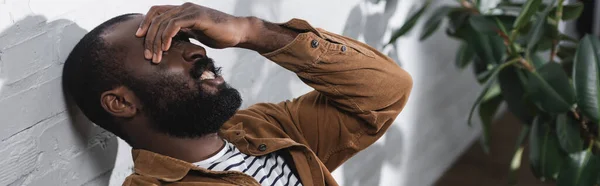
(249, 26)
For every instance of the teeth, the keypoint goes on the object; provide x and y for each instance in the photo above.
(207, 75)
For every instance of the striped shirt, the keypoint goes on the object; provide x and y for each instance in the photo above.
(269, 170)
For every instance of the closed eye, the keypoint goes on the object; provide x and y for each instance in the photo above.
(181, 36)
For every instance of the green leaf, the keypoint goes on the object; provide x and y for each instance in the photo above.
(586, 77)
(528, 10)
(515, 95)
(545, 155)
(544, 44)
(536, 33)
(567, 130)
(481, 70)
(484, 25)
(515, 163)
(458, 23)
(433, 23)
(564, 37)
(486, 88)
(567, 63)
(581, 169)
(566, 51)
(491, 24)
(409, 24)
(507, 21)
(570, 11)
(487, 109)
(464, 56)
(490, 49)
(550, 89)
(483, 76)
(538, 62)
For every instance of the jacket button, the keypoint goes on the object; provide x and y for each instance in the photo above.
(262, 147)
(344, 48)
(314, 43)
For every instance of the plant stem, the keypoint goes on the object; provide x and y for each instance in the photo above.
(584, 126)
(507, 41)
(512, 61)
(466, 4)
(553, 50)
(526, 64)
(559, 13)
(514, 34)
(597, 144)
(469, 5)
(575, 114)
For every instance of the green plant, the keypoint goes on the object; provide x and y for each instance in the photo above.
(549, 80)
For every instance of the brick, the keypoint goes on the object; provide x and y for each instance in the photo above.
(18, 161)
(30, 107)
(66, 155)
(28, 57)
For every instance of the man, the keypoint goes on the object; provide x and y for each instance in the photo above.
(140, 78)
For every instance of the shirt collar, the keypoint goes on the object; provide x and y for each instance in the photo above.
(169, 169)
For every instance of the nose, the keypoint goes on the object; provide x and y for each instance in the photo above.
(193, 52)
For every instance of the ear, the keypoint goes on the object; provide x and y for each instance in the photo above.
(119, 102)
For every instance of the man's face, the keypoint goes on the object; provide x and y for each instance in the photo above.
(183, 95)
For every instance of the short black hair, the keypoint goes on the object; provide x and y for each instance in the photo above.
(93, 67)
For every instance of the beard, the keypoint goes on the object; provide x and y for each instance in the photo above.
(177, 109)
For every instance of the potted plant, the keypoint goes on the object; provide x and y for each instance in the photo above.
(549, 80)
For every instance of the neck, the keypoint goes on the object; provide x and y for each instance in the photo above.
(186, 149)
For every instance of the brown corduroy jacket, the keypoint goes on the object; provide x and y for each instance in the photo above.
(358, 94)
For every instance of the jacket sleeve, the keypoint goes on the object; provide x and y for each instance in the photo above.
(358, 94)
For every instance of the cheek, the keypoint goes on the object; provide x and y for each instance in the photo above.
(176, 70)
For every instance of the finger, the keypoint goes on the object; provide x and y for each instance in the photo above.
(157, 57)
(157, 47)
(152, 13)
(174, 26)
(150, 38)
(153, 38)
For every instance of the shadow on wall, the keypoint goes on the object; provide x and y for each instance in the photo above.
(268, 82)
(372, 26)
(257, 78)
(46, 140)
(366, 167)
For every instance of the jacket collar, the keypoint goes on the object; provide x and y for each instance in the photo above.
(165, 168)
(169, 169)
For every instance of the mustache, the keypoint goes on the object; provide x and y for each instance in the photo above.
(204, 64)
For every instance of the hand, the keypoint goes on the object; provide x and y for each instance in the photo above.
(211, 27)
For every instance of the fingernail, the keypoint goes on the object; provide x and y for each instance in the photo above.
(164, 47)
(147, 54)
(159, 56)
(155, 58)
(138, 32)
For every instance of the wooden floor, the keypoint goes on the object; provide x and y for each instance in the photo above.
(475, 168)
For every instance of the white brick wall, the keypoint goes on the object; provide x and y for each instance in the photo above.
(44, 143)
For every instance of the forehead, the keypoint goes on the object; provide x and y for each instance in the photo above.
(123, 33)
(131, 55)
